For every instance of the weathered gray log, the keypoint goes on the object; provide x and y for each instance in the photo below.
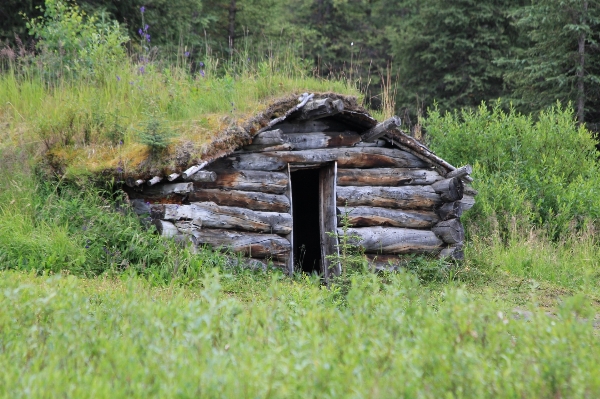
(449, 189)
(140, 206)
(453, 252)
(394, 240)
(248, 180)
(270, 137)
(189, 172)
(165, 229)
(154, 180)
(467, 202)
(188, 226)
(469, 190)
(386, 177)
(227, 217)
(244, 199)
(397, 138)
(403, 197)
(318, 125)
(450, 210)
(307, 141)
(172, 176)
(362, 216)
(139, 182)
(381, 128)
(265, 148)
(460, 172)
(451, 231)
(253, 263)
(376, 143)
(253, 245)
(203, 176)
(166, 189)
(364, 157)
(317, 109)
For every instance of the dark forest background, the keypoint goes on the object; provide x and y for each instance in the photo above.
(453, 53)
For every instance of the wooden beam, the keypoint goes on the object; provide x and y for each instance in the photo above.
(361, 157)
(380, 129)
(317, 109)
(308, 141)
(450, 210)
(189, 172)
(154, 180)
(253, 245)
(244, 199)
(393, 240)
(328, 221)
(172, 176)
(403, 197)
(460, 172)
(364, 216)
(165, 229)
(203, 176)
(247, 180)
(451, 231)
(449, 189)
(387, 177)
(227, 217)
(166, 189)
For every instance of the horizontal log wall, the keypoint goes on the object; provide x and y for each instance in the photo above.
(395, 202)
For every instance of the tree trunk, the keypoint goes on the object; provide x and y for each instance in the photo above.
(581, 70)
(231, 29)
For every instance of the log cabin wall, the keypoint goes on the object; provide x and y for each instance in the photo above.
(397, 200)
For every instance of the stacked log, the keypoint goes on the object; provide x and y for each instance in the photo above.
(394, 201)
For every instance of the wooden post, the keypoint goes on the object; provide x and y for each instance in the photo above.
(154, 180)
(328, 220)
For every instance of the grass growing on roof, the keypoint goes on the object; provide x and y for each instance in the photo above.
(87, 126)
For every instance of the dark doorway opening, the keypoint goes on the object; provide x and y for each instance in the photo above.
(305, 214)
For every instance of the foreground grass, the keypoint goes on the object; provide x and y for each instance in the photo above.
(62, 336)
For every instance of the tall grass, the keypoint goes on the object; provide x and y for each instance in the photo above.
(119, 338)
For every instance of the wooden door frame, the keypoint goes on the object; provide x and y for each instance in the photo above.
(327, 219)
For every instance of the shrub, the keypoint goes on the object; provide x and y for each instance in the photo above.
(535, 172)
(72, 42)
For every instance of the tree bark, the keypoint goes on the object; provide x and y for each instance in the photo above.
(581, 70)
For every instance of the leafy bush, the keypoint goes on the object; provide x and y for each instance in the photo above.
(72, 42)
(530, 172)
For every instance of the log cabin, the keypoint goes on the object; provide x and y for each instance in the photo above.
(273, 189)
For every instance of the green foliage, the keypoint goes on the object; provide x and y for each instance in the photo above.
(547, 70)
(540, 172)
(291, 339)
(72, 42)
(155, 134)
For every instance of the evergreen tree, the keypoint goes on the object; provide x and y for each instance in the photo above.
(446, 50)
(563, 61)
